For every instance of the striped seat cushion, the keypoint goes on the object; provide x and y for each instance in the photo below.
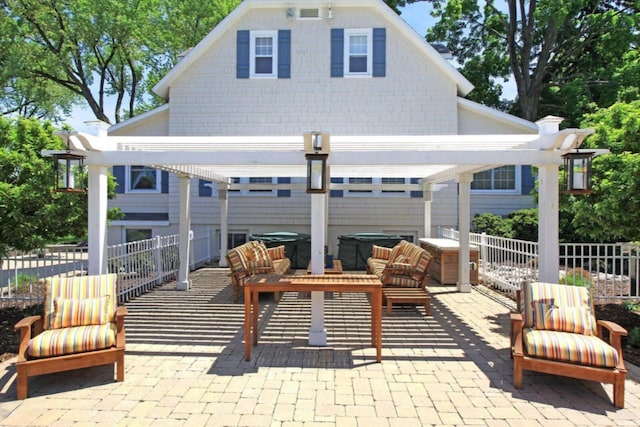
(78, 339)
(569, 347)
(78, 288)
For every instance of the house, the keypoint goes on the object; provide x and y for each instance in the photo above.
(342, 67)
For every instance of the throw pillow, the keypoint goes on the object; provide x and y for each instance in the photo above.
(81, 312)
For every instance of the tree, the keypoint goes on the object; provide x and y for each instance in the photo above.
(552, 49)
(32, 214)
(612, 212)
(93, 50)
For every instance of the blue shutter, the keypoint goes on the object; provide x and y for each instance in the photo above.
(242, 54)
(528, 181)
(203, 189)
(379, 52)
(336, 193)
(415, 193)
(284, 54)
(284, 193)
(118, 173)
(164, 182)
(337, 52)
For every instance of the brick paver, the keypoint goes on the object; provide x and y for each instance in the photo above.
(185, 366)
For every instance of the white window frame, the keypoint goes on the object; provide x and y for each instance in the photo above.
(252, 193)
(274, 54)
(379, 192)
(517, 184)
(368, 33)
(128, 182)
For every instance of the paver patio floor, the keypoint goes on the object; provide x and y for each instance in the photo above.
(185, 366)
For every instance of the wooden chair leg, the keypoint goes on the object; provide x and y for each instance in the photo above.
(120, 367)
(618, 392)
(22, 382)
(517, 372)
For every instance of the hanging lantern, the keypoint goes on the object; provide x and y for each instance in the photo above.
(577, 166)
(69, 170)
(316, 153)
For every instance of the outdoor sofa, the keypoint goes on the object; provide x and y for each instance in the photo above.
(403, 271)
(252, 258)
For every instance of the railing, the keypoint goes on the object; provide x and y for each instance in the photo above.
(611, 269)
(140, 265)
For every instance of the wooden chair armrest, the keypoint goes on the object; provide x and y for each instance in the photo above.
(121, 312)
(517, 322)
(25, 327)
(612, 327)
(616, 332)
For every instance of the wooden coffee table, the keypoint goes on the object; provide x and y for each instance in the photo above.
(336, 269)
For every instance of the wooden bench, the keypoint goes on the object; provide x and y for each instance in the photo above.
(406, 296)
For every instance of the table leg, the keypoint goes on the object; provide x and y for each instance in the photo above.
(247, 323)
(256, 309)
(376, 313)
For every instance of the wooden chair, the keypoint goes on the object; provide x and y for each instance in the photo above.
(556, 332)
(82, 326)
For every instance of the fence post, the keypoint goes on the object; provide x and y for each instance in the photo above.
(157, 255)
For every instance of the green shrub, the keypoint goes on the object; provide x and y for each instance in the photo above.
(634, 337)
(576, 277)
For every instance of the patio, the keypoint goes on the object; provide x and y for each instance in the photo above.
(185, 366)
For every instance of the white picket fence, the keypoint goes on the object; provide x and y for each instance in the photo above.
(611, 269)
(140, 265)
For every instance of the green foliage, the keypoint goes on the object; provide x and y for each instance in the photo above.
(612, 212)
(492, 224)
(564, 56)
(576, 277)
(59, 53)
(32, 214)
(521, 224)
(630, 305)
(634, 337)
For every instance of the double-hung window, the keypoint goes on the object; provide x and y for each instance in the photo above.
(357, 50)
(502, 179)
(264, 54)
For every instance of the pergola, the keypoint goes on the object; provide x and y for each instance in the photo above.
(434, 158)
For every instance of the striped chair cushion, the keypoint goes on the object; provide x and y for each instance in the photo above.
(276, 253)
(236, 260)
(78, 339)
(79, 287)
(380, 252)
(539, 298)
(569, 347)
(81, 312)
(576, 320)
(401, 281)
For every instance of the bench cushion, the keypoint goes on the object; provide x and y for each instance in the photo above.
(569, 347)
(78, 339)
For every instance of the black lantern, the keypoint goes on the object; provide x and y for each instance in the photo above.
(577, 166)
(316, 153)
(69, 170)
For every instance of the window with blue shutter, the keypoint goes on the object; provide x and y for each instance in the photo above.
(416, 193)
(358, 52)
(263, 54)
(164, 182)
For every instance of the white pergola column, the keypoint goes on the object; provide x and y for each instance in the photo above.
(464, 212)
(183, 283)
(426, 198)
(548, 224)
(548, 205)
(224, 223)
(317, 332)
(97, 224)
